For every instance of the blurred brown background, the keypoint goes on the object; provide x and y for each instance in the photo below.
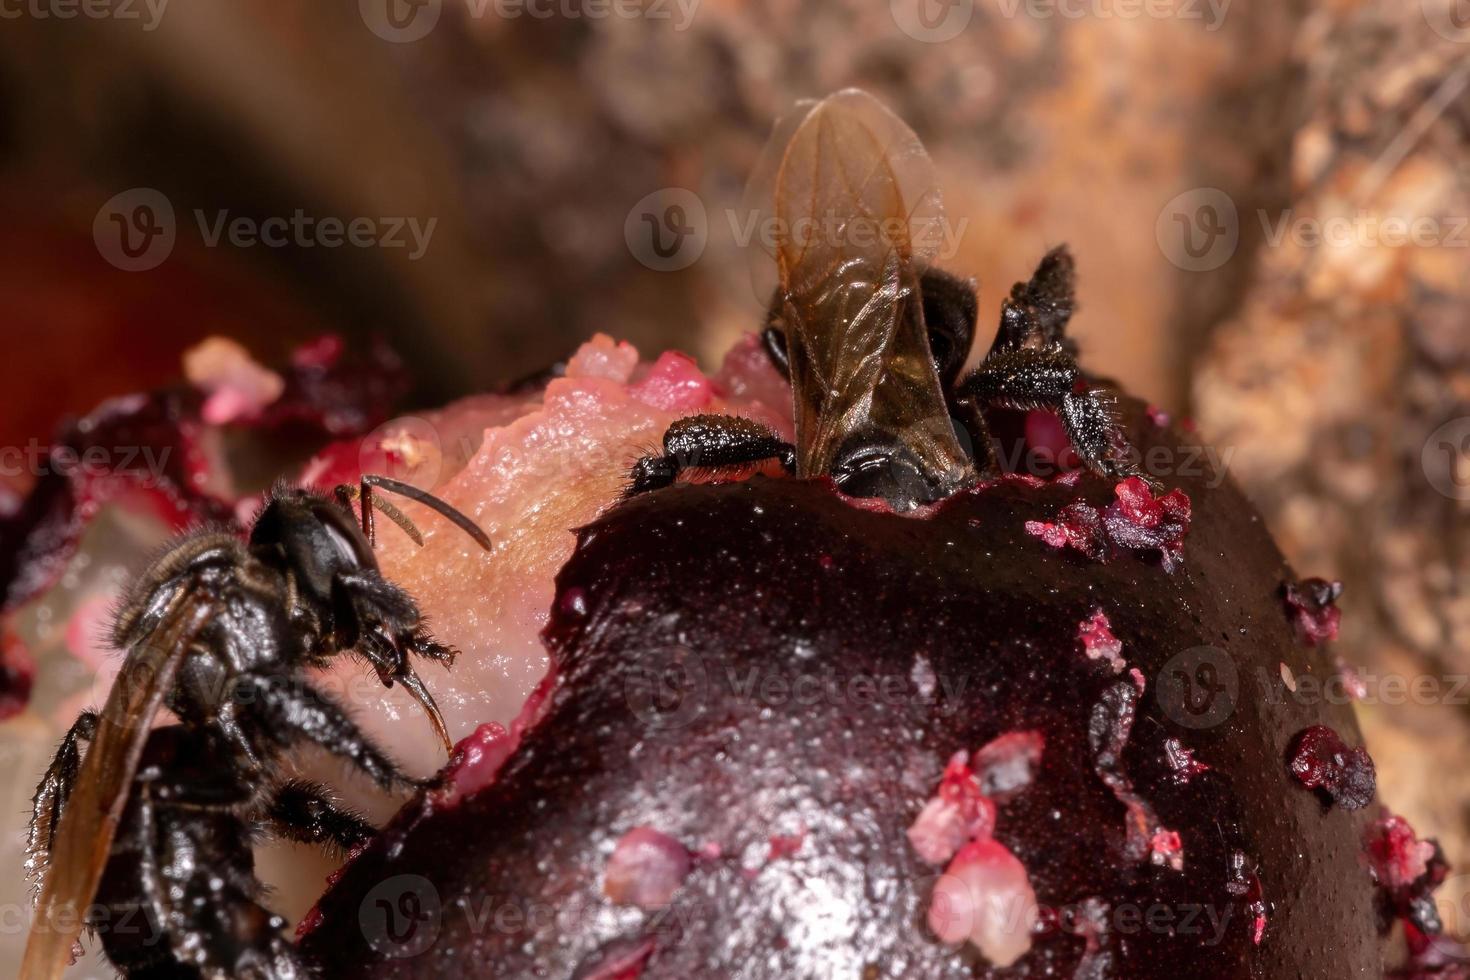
(1186, 149)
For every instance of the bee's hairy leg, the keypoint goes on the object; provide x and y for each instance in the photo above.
(305, 812)
(1028, 378)
(292, 713)
(215, 921)
(1037, 312)
(54, 789)
(709, 442)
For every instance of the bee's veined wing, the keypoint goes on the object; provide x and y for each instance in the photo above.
(856, 215)
(82, 840)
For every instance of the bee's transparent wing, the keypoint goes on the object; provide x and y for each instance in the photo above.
(82, 840)
(855, 215)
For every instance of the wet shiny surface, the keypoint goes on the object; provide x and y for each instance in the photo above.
(743, 660)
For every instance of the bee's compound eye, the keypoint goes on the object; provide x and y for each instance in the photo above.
(889, 472)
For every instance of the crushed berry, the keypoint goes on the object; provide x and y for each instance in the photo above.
(1311, 603)
(957, 813)
(1182, 761)
(1108, 730)
(1433, 958)
(1166, 847)
(1078, 525)
(1099, 642)
(1245, 882)
(1406, 870)
(1006, 765)
(1396, 856)
(1091, 923)
(1322, 761)
(171, 471)
(1140, 521)
(1136, 520)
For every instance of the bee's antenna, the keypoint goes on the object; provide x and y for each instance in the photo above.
(428, 500)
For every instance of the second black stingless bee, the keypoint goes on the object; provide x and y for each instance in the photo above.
(147, 837)
(873, 338)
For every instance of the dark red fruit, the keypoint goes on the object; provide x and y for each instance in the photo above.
(680, 702)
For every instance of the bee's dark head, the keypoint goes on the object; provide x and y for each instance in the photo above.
(884, 467)
(313, 537)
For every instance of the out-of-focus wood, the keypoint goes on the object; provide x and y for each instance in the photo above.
(1339, 383)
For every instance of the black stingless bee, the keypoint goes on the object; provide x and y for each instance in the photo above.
(873, 338)
(152, 827)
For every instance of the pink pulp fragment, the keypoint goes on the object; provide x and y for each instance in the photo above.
(1099, 643)
(958, 812)
(646, 869)
(985, 898)
(1396, 856)
(1166, 847)
(236, 388)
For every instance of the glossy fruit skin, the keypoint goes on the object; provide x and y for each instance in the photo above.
(771, 581)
